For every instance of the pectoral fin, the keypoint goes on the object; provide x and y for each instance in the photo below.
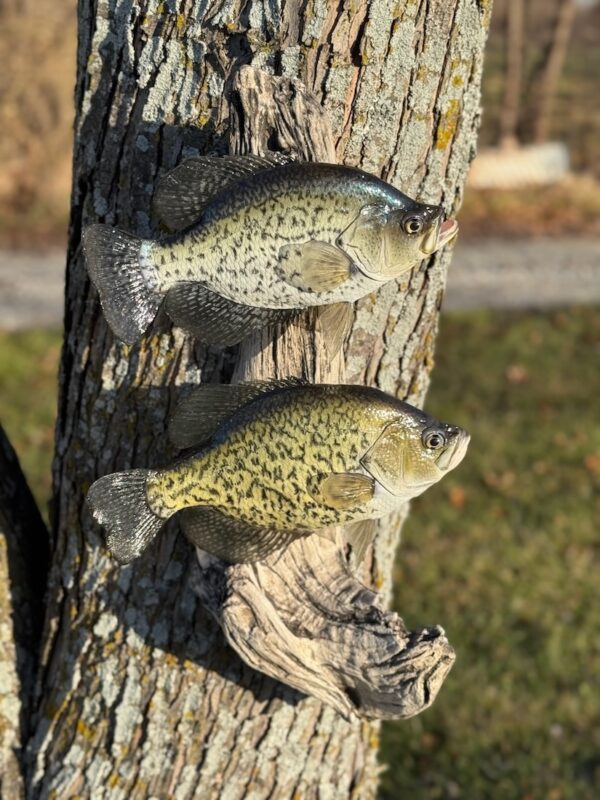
(215, 319)
(232, 539)
(345, 490)
(314, 266)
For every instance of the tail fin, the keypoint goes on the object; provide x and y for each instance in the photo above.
(116, 265)
(119, 503)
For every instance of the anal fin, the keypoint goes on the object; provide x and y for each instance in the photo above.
(232, 539)
(215, 319)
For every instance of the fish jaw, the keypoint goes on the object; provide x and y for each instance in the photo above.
(448, 231)
(452, 456)
(440, 236)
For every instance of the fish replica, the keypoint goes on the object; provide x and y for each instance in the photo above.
(259, 240)
(278, 461)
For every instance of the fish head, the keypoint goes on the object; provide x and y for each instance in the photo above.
(386, 241)
(414, 452)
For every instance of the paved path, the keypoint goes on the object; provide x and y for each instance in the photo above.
(525, 273)
(31, 289)
(532, 273)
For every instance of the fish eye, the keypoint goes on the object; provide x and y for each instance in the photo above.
(433, 440)
(412, 225)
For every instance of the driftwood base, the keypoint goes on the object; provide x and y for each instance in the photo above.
(323, 632)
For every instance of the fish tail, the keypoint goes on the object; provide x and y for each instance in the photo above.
(119, 502)
(120, 267)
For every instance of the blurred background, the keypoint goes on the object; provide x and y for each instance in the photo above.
(505, 553)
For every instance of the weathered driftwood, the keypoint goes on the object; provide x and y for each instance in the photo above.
(139, 694)
(23, 572)
(301, 616)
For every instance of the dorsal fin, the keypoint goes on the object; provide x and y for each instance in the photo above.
(198, 415)
(183, 192)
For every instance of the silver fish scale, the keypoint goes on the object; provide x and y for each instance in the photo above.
(235, 248)
(276, 484)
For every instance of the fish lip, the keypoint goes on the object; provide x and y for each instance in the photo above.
(453, 455)
(447, 231)
(444, 233)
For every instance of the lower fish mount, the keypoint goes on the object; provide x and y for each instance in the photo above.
(276, 468)
(278, 462)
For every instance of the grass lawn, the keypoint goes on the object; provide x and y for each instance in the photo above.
(504, 553)
(28, 389)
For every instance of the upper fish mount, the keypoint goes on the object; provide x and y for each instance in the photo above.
(256, 240)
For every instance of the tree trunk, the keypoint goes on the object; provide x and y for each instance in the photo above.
(139, 696)
(23, 573)
(513, 75)
(545, 79)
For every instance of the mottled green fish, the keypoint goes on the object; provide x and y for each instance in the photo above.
(261, 241)
(278, 462)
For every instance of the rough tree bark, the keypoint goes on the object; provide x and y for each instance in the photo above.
(23, 573)
(138, 695)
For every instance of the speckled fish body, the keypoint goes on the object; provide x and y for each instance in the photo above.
(294, 458)
(235, 249)
(257, 244)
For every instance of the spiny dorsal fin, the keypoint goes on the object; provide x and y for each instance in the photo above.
(232, 539)
(198, 415)
(183, 192)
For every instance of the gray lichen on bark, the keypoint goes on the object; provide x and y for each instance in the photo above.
(140, 697)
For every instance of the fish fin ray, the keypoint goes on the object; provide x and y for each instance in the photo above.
(182, 194)
(113, 263)
(233, 540)
(119, 503)
(198, 416)
(335, 321)
(359, 536)
(314, 266)
(345, 490)
(215, 319)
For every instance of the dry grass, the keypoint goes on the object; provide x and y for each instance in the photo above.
(566, 209)
(37, 75)
(37, 54)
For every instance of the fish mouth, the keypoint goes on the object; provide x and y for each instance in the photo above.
(454, 454)
(440, 235)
